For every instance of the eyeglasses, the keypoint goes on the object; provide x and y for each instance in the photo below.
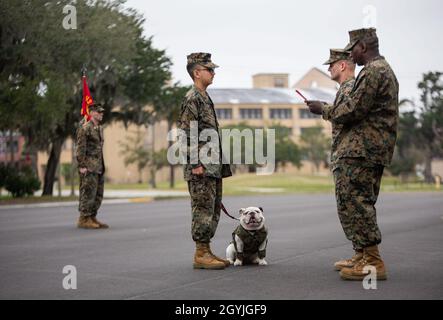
(210, 70)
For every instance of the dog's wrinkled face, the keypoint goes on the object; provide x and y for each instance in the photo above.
(252, 218)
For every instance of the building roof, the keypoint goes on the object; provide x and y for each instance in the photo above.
(316, 78)
(269, 95)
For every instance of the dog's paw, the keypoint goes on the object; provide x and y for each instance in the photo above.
(262, 262)
(230, 261)
(238, 263)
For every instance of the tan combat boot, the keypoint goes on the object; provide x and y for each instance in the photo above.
(101, 224)
(349, 263)
(224, 261)
(371, 257)
(87, 223)
(81, 221)
(203, 258)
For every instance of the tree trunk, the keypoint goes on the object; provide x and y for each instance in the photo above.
(171, 176)
(152, 181)
(171, 167)
(11, 146)
(404, 177)
(59, 179)
(428, 169)
(31, 154)
(51, 167)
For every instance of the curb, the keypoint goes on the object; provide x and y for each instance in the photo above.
(73, 203)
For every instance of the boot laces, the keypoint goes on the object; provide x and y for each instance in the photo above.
(362, 262)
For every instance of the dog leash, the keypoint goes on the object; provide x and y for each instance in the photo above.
(226, 212)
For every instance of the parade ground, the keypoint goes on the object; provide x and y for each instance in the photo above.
(147, 253)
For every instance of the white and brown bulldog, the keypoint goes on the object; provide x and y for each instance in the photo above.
(249, 239)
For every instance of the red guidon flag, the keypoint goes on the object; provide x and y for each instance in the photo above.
(86, 101)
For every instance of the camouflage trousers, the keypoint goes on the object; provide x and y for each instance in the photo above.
(91, 193)
(357, 185)
(206, 197)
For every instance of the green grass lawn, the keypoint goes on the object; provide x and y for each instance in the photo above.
(283, 183)
(249, 184)
(276, 183)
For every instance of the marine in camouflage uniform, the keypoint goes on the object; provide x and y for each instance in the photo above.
(346, 85)
(205, 189)
(342, 70)
(90, 161)
(369, 116)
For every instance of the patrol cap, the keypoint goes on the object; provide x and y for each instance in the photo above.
(337, 55)
(201, 58)
(356, 35)
(96, 107)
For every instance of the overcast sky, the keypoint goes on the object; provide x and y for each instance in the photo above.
(247, 37)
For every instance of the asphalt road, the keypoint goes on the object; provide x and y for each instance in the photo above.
(147, 253)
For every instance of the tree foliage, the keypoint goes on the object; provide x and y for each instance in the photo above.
(315, 146)
(420, 131)
(41, 66)
(167, 107)
(286, 151)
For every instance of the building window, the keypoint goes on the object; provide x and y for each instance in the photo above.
(251, 113)
(6, 144)
(224, 113)
(306, 114)
(14, 146)
(281, 113)
(279, 83)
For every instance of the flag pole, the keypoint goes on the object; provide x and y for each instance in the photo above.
(83, 71)
(74, 146)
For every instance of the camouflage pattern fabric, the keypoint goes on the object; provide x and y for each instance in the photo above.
(364, 144)
(91, 193)
(337, 129)
(337, 55)
(90, 147)
(96, 107)
(206, 197)
(251, 241)
(360, 34)
(357, 185)
(369, 115)
(198, 106)
(90, 155)
(201, 58)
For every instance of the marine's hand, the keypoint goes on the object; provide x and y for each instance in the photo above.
(315, 106)
(83, 170)
(198, 171)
